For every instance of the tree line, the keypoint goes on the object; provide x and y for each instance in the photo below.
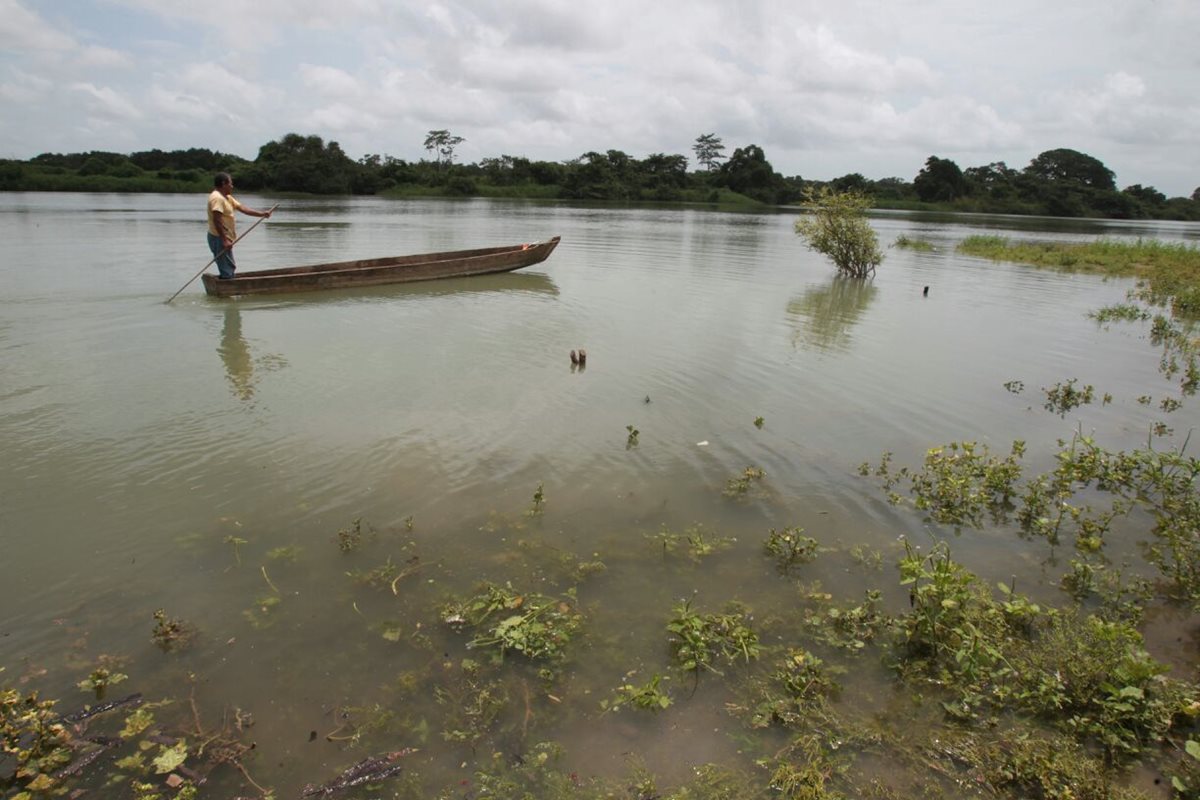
(1059, 182)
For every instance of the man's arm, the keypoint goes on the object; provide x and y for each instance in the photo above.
(253, 212)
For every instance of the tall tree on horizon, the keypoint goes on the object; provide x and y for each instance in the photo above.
(709, 150)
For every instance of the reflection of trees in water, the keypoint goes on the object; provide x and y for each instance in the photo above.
(824, 315)
(240, 366)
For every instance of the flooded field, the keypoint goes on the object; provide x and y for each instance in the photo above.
(399, 523)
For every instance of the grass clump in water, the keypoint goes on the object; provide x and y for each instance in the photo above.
(1170, 271)
(504, 620)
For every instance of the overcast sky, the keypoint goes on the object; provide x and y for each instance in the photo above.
(825, 88)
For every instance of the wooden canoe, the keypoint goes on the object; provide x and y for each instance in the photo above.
(377, 271)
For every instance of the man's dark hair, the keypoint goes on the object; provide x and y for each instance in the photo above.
(221, 179)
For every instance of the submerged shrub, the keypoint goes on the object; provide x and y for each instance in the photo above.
(838, 228)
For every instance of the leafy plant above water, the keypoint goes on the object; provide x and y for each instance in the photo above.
(739, 486)
(695, 540)
(171, 634)
(1063, 397)
(351, 538)
(504, 620)
(649, 696)
(789, 547)
(698, 639)
(911, 243)
(539, 502)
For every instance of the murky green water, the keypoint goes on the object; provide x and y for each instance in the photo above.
(138, 437)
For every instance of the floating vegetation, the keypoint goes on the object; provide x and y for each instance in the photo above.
(693, 540)
(1092, 677)
(650, 696)
(758, 422)
(1126, 312)
(697, 639)
(51, 754)
(288, 554)
(800, 680)
(631, 440)
(739, 486)
(958, 483)
(790, 547)
(351, 538)
(1063, 397)
(539, 502)
(100, 679)
(1016, 387)
(171, 634)
(851, 628)
(237, 542)
(471, 703)
(962, 486)
(387, 574)
(910, 243)
(503, 620)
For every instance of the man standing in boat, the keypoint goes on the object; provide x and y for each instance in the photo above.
(221, 229)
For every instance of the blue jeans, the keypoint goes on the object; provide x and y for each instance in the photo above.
(225, 265)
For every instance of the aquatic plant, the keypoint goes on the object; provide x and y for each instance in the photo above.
(471, 703)
(789, 547)
(694, 540)
(632, 439)
(649, 696)
(787, 696)
(99, 680)
(740, 485)
(758, 422)
(1063, 397)
(697, 639)
(910, 243)
(504, 620)
(539, 501)
(350, 538)
(837, 227)
(171, 634)
(34, 740)
(237, 542)
(1127, 312)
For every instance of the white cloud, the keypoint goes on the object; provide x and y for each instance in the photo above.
(108, 104)
(824, 88)
(23, 30)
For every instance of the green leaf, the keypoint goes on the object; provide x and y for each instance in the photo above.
(1193, 748)
(171, 757)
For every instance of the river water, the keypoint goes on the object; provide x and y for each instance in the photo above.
(201, 456)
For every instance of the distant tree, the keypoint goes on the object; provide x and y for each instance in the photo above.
(442, 143)
(891, 188)
(709, 151)
(940, 180)
(663, 176)
(1070, 166)
(852, 182)
(748, 172)
(298, 163)
(599, 176)
(1146, 194)
(995, 179)
(838, 228)
(1196, 194)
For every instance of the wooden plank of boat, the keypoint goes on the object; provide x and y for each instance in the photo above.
(377, 271)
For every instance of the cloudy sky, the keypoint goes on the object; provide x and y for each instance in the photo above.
(824, 88)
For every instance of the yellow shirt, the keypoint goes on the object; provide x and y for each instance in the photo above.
(226, 206)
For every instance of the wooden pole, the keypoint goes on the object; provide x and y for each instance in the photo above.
(218, 255)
